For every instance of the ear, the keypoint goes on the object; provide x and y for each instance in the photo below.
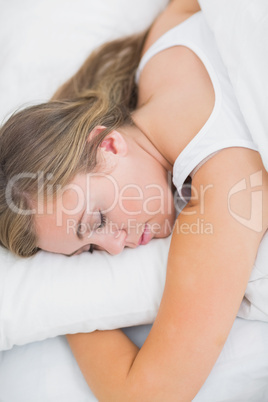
(115, 142)
(96, 131)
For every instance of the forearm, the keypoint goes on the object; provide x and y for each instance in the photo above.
(105, 359)
(116, 370)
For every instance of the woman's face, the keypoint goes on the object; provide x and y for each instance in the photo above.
(125, 206)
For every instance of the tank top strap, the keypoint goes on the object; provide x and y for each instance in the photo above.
(169, 39)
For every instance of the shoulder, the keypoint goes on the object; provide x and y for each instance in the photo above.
(176, 98)
(236, 181)
(175, 13)
(231, 164)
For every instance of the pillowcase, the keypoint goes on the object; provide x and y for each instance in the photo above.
(48, 295)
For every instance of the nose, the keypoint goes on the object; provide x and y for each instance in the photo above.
(113, 243)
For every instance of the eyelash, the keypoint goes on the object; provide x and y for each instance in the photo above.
(103, 220)
(102, 224)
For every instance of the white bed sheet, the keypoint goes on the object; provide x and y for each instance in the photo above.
(47, 371)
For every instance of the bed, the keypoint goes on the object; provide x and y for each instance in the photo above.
(41, 299)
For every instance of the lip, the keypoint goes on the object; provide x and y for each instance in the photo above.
(146, 235)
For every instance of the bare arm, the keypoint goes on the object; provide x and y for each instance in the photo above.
(206, 279)
(176, 12)
(186, 6)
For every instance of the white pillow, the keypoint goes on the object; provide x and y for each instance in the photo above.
(49, 295)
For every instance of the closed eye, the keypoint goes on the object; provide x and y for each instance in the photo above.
(79, 231)
(103, 220)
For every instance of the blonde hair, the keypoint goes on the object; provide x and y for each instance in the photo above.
(51, 138)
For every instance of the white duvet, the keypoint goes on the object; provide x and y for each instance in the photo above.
(241, 31)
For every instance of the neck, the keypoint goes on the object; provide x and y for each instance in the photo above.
(142, 139)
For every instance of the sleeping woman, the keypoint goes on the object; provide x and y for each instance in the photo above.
(91, 169)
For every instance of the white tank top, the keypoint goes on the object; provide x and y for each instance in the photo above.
(225, 126)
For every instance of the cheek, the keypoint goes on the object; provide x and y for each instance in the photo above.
(149, 199)
(103, 194)
(156, 201)
(131, 201)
